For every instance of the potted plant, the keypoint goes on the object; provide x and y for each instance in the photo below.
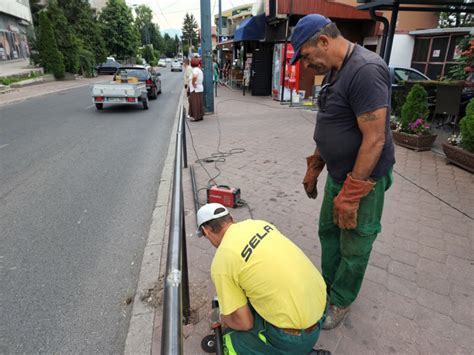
(459, 150)
(412, 131)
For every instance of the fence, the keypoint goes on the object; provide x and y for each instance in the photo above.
(176, 307)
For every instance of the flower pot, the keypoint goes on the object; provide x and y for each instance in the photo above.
(414, 141)
(459, 156)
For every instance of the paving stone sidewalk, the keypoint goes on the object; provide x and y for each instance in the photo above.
(418, 293)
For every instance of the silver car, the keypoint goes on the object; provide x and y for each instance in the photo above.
(176, 66)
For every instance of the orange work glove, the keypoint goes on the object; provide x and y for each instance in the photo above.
(346, 203)
(315, 166)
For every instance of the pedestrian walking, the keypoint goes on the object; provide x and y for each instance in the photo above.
(271, 297)
(354, 141)
(196, 89)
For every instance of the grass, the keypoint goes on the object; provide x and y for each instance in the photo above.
(16, 78)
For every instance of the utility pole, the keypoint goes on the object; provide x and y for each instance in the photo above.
(206, 53)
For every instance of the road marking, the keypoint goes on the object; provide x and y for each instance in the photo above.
(4, 145)
(89, 106)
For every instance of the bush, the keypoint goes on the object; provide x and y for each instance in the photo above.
(415, 106)
(87, 63)
(51, 59)
(467, 128)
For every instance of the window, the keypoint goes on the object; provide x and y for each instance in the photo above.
(420, 51)
(407, 74)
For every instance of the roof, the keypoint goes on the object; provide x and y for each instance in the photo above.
(423, 5)
(435, 31)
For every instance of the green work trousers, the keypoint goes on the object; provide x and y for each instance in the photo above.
(345, 252)
(264, 338)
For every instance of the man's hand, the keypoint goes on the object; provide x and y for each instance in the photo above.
(346, 203)
(315, 166)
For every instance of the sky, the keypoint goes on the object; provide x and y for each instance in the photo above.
(169, 14)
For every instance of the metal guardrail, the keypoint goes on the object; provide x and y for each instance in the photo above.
(176, 307)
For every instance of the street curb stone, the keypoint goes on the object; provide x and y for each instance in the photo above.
(140, 332)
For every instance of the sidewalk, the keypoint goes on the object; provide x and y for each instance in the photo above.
(25, 93)
(418, 293)
(17, 67)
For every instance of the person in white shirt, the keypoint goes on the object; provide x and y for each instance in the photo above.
(188, 74)
(196, 89)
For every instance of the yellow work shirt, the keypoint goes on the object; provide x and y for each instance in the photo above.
(256, 262)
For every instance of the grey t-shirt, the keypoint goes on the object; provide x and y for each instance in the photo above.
(362, 85)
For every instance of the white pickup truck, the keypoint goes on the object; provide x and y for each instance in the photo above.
(123, 90)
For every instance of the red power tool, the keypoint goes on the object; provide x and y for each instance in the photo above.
(225, 195)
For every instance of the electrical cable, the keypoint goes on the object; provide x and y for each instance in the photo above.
(432, 194)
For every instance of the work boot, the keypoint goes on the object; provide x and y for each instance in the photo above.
(335, 316)
(319, 352)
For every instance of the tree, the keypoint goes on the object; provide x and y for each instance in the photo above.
(456, 19)
(144, 16)
(149, 55)
(68, 43)
(119, 32)
(415, 106)
(156, 39)
(189, 29)
(80, 16)
(50, 56)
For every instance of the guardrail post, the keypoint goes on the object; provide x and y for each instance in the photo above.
(185, 280)
(183, 130)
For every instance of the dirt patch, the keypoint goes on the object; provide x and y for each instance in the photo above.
(154, 296)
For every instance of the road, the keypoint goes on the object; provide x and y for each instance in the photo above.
(77, 191)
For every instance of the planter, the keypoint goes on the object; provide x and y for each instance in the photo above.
(413, 141)
(459, 156)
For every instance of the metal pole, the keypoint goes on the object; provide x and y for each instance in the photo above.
(219, 27)
(391, 34)
(185, 293)
(206, 47)
(284, 60)
(386, 25)
(183, 130)
(172, 335)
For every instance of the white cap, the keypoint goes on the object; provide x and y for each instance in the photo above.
(208, 212)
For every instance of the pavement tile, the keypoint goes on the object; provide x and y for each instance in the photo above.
(417, 295)
(402, 270)
(401, 286)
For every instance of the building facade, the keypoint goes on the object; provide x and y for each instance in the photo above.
(15, 18)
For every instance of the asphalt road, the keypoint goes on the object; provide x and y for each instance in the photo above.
(77, 191)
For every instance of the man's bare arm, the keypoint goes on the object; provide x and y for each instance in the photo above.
(240, 319)
(372, 126)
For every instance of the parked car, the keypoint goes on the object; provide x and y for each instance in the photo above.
(400, 75)
(110, 66)
(149, 76)
(168, 60)
(176, 66)
(161, 63)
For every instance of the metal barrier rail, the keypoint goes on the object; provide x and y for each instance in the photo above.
(176, 308)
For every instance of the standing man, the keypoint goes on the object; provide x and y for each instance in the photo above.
(271, 296)
(354, 141)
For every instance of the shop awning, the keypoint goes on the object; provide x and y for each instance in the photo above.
(251, 29)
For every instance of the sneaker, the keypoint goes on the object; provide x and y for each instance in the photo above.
(335, 316)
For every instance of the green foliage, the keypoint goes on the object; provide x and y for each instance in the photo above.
(15, 79)
(149, 55)
(398, 99)
(455, 19)
(467, 128)
(68, 43)
(415, 106)
(118, 30)
(460, 71)
(85, 26)
(50, 57)
(144, 16)
(87, 63)
(189, 29)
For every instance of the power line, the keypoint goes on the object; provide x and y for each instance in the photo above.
(159, 7)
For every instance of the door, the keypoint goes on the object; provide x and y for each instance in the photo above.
(261, 75)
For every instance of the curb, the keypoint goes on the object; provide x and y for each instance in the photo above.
(140, 331)
(20, 99)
